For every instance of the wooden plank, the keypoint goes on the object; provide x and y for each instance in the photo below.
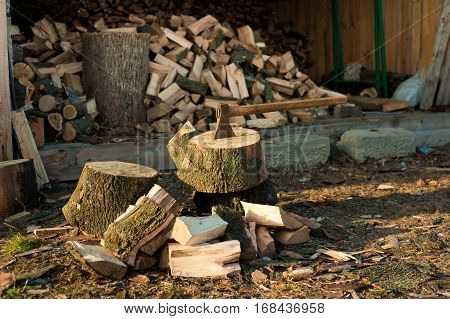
(27, 145)
(440, 46)
(443, 97)
(6, 149)
(378, 103)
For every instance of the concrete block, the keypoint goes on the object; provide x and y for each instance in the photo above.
(377, 143)
(301, 151)
(432, 138)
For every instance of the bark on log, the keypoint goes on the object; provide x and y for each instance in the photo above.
(152, 215)
(115, 73)
(104, 191)
(18, 188)
(222, 165)
(265, 193)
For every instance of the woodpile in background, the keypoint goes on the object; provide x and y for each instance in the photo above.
(194, 65)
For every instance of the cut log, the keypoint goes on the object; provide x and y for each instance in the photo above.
(223, 165)
(18, 188)
(296, 237)
(118, 89)
(264, 193)
(209, 260)
(266, 244)
(72, 129)
(158, 111)
(104, 190)
(272, 216)
(151, 215)
(48, 103)
(21, 69)
(189, 231)
(99, 259)
(56, 121)
(237, 230)
(71, 112)
(27, 145)
(202, 24)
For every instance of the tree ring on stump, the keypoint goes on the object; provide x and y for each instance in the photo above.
(224, 165)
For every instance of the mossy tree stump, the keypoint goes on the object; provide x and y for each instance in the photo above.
(219, 165)
(104, 191)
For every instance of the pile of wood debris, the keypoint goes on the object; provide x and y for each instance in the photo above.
(195, 64)
(152, 232)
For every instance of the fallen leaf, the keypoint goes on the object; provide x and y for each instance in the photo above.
(338, 255)
(258, 276)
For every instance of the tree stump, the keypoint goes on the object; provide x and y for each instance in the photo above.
(265, 193)
(104, 191)
(222, 165)
(152, 216)
(115, 73)
(18, 187)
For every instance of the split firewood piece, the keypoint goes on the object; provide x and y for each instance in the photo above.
(281, 85)
(242, 86)
(21, 69)
(215, 102)
(159, 240)
(182, 115)
(232, 82)
(261, 123)
(258, 88)
(71, 68)
(158, 111)
(48, 103)
(115, 184)
(172, 94)
(167, 62)
(295, 237)
(191, 85)
(246, 35)
(158, 68)
(56, 121)
(99, 259)
(237, 230)
(189, 231)
(265, 242)
(202, 24)
(156, 80)
(71, 129)
(206, 163)
(277, 117)
(169, 78)
(287, 62)
(44, 233)
(208, 260)
(221, 73)
(73, 81)
(151, 215)
(18, 188)
(161, 126)
(178, 144)
(177, 39)
(272, 216)
(213, 83)
(196, 70)
(144, 261)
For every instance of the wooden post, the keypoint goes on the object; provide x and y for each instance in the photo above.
(6, 151)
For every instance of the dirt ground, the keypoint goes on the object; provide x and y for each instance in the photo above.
(398, 237)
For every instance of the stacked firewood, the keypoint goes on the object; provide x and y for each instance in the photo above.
(194, 65)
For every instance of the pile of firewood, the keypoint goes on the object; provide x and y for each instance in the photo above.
(194, 66)
(151, 233)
